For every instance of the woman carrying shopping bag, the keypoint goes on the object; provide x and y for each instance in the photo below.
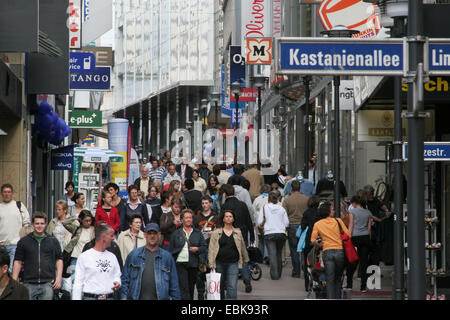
(227, 252)
(329, 230)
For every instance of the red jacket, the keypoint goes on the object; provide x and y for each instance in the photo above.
(113, 218)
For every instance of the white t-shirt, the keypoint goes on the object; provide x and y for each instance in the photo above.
(95, 273)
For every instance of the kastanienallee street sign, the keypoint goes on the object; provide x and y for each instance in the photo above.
(336, 56)
(351, 56)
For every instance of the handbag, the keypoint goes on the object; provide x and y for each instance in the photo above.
(254, 254)
(261, 225)
(349, 248)
(213, 285)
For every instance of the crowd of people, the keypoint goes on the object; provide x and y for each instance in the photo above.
(178, 223)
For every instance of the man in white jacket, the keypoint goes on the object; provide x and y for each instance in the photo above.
(13, 216)
(97, 274)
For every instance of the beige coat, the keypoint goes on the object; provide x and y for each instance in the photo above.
(126, 243)
(213, 249)
(256, 179)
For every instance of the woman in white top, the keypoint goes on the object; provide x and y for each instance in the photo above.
(276, 222)
(199, 182)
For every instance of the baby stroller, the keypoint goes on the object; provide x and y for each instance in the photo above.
(254, 257)
(316, 274)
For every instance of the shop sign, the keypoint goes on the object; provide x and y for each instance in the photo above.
(85, 119)
(97, 80)
(62, 158)
(256, 20)
(74, 24)
(354, 14)
(259, 51)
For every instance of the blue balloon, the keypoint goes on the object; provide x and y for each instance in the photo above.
(46, 123)
(54, 117)
(44, 108)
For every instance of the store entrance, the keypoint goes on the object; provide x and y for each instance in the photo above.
(445, 221)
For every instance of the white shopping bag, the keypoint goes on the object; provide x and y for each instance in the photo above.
(213, 285)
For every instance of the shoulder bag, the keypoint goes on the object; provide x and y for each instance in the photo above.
(349, 248)
(202, 264)
(261, 225)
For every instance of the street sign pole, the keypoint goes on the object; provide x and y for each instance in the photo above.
(416, 125)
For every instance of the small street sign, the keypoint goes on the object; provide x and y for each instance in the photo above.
(433, 151)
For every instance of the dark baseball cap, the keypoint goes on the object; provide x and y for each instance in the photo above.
(151, 227)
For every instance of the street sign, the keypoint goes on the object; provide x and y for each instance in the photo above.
(247, 95)
(233, 117)
(81, 62)
(98, 80)
(433, 151)
(438, 53)
(85, 119)
(259, 51)
(336, 56)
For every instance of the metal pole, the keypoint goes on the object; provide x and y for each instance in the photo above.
(307, 133)
(337, 162)
(416, 205)
(235, 135)
(217, 114)
(259, 125)
(399, 280)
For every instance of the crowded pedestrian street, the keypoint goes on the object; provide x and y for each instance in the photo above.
(252, 151)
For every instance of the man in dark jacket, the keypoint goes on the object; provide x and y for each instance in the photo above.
(192, 198)
(10, 289)
(41, 257)
(183, 170)
(243, 222)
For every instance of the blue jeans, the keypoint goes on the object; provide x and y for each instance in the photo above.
(43, 291)
(334, 263)
(275, 243)
(262, 246)
(11, 251)
(228, 279)
(293, 241)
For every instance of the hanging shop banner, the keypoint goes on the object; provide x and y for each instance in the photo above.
(118, 142)
(237, 65)
(85, 119)
(74, 24)
(256, 19)
(81, 62)
(62, 158)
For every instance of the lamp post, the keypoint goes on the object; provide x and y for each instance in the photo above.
(259, 83)
(204, 103)
(337, 32)
(306, 81)
(215, 97)
(236, 89)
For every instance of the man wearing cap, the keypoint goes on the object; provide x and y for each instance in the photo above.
(149, 272)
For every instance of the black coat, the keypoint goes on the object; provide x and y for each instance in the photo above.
(126, 211)
(177, 242)
(188, 173)
(243, 220)
(193, 200)
(137, 182)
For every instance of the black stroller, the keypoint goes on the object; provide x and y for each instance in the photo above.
(254, 257)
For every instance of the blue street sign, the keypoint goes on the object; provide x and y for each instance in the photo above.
(62, 158)
(433, 151)
(334, 56)
(98, 80)
(233, 117)
(439, 58)
(229, 109)
(81, 62)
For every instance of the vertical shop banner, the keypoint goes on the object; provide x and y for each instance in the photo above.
(118, 142)
(133, 172)
(62, 158)
(256, 20)
(74, 23)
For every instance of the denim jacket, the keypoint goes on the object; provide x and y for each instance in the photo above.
(165, 275)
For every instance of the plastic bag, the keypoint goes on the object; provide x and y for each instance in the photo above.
(213, 285)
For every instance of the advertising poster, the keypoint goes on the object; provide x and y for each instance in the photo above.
(118, 142)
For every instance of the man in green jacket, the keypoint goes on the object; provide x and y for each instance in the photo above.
(10, 289)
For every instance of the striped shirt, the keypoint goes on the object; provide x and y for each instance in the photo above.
(155, 174)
